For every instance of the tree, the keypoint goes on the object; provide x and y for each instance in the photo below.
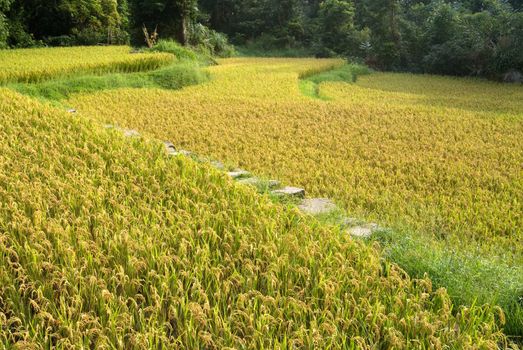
(383, 18)
(69, 22)
(173, 17)
(4, 29)
(336, 18)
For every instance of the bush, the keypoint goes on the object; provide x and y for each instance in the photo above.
(60, 40)
(216, 44)
(3, 32)
(178, 76)
(173, 47)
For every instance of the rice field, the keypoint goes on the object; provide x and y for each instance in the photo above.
(35, 65)
(439, 156)
(106, 242)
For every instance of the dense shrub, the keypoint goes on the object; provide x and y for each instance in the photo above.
(173, 47)
(216, 44)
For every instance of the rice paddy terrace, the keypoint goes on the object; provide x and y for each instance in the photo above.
(438, 155)
(106, 241)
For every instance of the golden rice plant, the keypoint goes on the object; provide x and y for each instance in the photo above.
(440, 156)
(106, 242)
(34, 65)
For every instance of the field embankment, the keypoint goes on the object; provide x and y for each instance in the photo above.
(36, 65)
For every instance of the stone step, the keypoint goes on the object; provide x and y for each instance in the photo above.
(169, 148)
(317, 206)
(238, 173)
(290, 192)
(363, 231)
(130, 133)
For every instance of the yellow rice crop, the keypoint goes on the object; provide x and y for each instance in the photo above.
(106, 243)
(440, 156)
(33, 65)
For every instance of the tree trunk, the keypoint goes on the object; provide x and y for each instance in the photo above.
(182, 33)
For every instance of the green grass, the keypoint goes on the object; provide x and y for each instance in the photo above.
(348, 73)
(173, 47)
(172, 77)
(190, 54)
(469, 278)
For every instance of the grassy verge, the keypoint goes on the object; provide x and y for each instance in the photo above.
(310, 84)
(173, 77)
(470, 279)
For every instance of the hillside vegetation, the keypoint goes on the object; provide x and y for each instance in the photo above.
(106, 242)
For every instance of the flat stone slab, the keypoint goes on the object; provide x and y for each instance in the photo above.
(363, 231)
(317, 206)
(130, 133)
(237, 174)
(290, 192)
(169, 147)
(218, 165)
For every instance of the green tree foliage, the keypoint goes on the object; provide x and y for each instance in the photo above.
(172, 18)
(461, 37)
(336, 18)
(68, 22)
(463, 42)
(4, 29)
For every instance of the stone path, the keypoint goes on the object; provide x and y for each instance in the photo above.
(238, 174)
(290, 192)
(317, 206)
(310, 206)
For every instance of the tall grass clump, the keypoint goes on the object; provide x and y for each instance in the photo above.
(173, 47)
